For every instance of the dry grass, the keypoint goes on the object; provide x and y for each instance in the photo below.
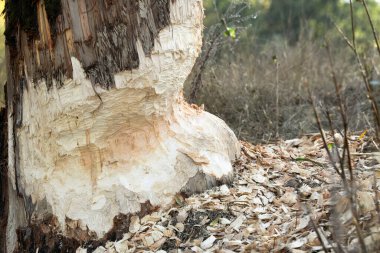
(262, 96)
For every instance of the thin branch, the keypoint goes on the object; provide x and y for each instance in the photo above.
(352, 24)
(346, 39)
(315, 227)
(364, 75)
(364, 2)
(319, 124)
(377, 203)
(346, 149)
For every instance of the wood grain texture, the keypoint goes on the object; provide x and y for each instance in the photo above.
(98, 124)
(103, 38)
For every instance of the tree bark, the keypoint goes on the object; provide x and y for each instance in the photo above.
(96, 126)
(3, 178)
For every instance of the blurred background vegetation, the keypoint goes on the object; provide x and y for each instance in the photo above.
(258, 54)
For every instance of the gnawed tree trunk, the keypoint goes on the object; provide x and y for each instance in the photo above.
(97, 125)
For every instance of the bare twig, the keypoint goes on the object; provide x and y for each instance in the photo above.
(352, 25)
(277, 101)
(230, 16)
(315, 227)
(349, 188)
(319, 124)
(377, 203)
(364, 2)
(362, 69)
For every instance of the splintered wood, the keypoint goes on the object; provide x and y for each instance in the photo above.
(85, 154)
(103, 35)
(270, 207)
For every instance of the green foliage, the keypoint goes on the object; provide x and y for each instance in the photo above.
(287, 18)
(230, 32)
(363, 32)
(292, 19)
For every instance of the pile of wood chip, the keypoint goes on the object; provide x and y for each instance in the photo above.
(279, 191)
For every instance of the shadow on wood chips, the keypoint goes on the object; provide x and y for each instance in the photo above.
(195, 226)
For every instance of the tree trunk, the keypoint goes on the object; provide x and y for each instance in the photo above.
(96, 126)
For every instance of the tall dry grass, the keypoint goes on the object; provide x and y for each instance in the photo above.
(261, 94)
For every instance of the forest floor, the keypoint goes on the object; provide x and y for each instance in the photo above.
(280, 194)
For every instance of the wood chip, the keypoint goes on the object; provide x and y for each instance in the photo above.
(208, 243)
(262, 210)
(135, 224)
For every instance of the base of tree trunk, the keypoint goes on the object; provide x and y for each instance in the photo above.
(93, 209)
(82, 158)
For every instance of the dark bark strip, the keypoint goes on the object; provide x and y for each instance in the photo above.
(102, 34)
(3, 179)
(45, 235)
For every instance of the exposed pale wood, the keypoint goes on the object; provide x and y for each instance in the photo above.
(98, 127)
